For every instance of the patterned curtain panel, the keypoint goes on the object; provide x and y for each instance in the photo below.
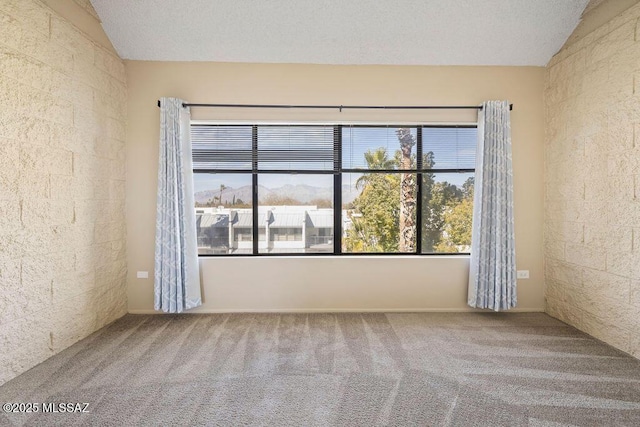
(492, 270)
(177, 276)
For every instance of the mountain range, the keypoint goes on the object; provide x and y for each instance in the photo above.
(301, 192)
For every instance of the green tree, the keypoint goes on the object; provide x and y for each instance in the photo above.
(456, 233)
(375, 213)
(375, 218)
(467, 188)
(442, 197)
(456, 218)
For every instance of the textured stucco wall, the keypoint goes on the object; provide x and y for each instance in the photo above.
(592, 182)
(62, 185)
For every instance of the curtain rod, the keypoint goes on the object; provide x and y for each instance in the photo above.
(344, 107)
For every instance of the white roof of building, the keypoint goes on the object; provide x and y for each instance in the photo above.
(320, 218)
(288, 219)
(207, 220)
(244, 218)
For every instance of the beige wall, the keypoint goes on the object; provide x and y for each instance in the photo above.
(336, 283)
(62, 249)
(592, 152)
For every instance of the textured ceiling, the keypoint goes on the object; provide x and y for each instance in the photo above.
(409, 32)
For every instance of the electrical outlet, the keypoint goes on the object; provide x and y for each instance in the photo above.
(522, 274)
(142, 275)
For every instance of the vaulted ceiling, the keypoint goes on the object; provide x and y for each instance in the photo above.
(402, 32)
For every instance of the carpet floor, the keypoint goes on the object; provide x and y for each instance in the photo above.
(365, 369)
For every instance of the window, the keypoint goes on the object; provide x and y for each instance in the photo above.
(448, 162)
(339, 189)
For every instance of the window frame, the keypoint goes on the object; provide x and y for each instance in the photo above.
(337, 172)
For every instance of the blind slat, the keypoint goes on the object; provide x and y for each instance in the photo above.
(450, 148)
(296, 147)
(279, 147)
(315, 148)
(221, 147)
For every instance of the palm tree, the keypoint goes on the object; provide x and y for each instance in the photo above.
(377, 159)
(407, 193)
(222, 188)
(357, 239)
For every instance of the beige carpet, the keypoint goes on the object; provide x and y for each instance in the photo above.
(335, 369)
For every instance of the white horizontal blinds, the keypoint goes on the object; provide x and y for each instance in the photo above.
(376, 147)
(221, 147)
(315, 148)
(290, 148)
(450, 147)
